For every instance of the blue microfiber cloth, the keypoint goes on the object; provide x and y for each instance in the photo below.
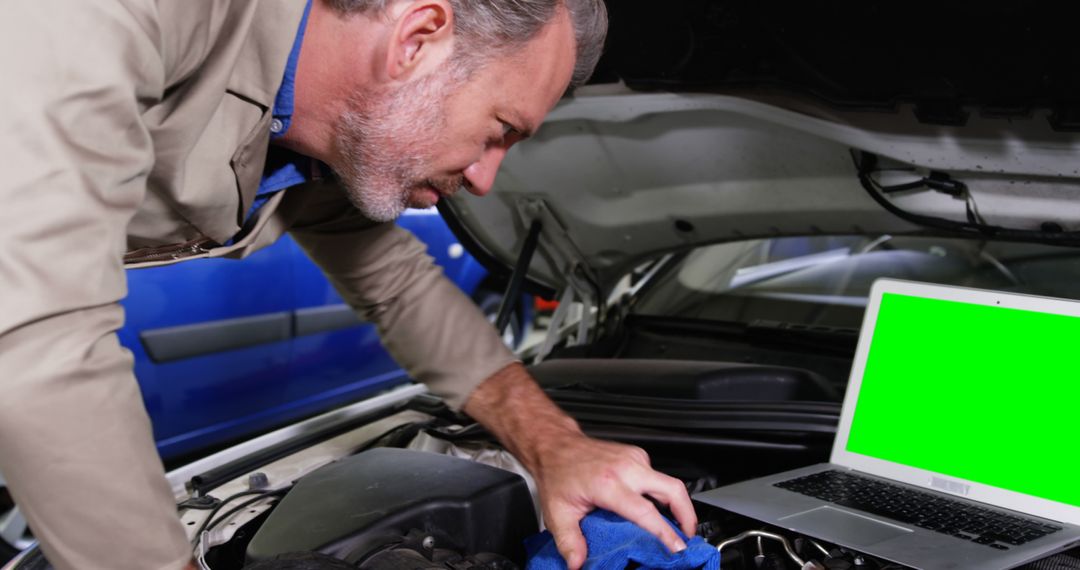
(615, 543)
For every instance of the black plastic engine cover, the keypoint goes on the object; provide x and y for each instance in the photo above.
(686, 379)
(369, 499)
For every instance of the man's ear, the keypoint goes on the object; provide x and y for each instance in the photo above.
(423, 36)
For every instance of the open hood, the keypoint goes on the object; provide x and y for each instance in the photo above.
(792, 137)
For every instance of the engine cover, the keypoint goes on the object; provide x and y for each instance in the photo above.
(367, 500)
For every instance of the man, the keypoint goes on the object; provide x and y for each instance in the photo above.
(139, 132)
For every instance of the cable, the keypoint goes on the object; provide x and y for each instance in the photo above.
(818, 546)
(241, 507)
(194, 504)
(230, 498)
(371, 443)
(997, 264)
(213, 510)
(200, 548)
(879, 241)
(865, 164)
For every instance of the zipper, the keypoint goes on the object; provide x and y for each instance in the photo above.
(172, 252)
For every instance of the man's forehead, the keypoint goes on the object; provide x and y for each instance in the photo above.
(541, 72)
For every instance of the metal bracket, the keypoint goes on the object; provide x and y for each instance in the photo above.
(555, 329)
(565, 258)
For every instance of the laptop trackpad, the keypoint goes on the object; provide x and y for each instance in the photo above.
(843, 527)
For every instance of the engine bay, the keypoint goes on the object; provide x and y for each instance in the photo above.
(426, 488)
(438, 491)
(417, 486)
(435, 511)
(432, 511)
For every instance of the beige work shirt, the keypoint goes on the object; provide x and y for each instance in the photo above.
(137, 130)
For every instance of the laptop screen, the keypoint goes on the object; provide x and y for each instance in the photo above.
(984, 393)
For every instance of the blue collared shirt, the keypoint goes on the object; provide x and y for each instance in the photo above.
(285, 168)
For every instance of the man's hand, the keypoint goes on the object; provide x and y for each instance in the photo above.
(575, 473)
(579, 474)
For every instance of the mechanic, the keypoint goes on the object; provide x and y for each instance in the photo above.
(141, 132)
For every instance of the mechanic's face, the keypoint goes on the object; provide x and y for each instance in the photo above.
(408, 146)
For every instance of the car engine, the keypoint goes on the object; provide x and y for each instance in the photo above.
(399, 509)
(387, 505)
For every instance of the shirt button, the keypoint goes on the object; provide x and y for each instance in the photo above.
(276, 126)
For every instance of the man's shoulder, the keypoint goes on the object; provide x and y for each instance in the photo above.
(253, 36)
(223, 63)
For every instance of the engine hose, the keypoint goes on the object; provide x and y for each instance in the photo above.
(763, 534)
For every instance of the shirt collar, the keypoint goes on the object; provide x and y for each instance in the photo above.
(283, 103)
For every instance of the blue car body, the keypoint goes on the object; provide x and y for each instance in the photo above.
(280, 367)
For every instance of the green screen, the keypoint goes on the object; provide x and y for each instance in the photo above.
(983, 393)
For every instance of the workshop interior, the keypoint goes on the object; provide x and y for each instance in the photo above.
(788, 156)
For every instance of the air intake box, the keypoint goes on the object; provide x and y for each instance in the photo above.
(372, 498)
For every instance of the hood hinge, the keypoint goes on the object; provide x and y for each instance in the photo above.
(582, 286)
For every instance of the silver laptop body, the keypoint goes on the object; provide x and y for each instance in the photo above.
(966, 395)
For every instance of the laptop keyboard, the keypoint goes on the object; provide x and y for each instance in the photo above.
(930, 511)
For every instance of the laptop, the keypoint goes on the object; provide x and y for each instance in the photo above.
(958, 440)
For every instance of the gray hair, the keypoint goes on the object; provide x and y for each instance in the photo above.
(492, 26)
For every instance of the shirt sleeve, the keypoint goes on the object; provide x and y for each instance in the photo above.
(427, 324)
(76, 448)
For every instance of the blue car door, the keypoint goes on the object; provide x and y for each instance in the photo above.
(337, 358)
(212, 345)
(224, 349)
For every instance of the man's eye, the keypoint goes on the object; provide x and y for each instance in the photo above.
(507, 129)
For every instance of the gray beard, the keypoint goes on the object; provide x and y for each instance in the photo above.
(386, 145)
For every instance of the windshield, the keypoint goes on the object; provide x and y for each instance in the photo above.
(824, 280)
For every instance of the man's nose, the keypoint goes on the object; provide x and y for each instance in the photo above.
(481, 174)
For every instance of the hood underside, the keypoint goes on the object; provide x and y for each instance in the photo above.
(723, 124)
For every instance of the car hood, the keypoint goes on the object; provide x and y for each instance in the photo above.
(676, 144)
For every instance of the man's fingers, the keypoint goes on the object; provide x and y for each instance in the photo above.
(640, 511)
(672, 492)
(566, 529)
(587, 473)
(683, 509)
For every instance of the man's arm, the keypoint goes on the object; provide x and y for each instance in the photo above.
(575, 473)
(430, 327)
(76, 447)
(436, 333)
